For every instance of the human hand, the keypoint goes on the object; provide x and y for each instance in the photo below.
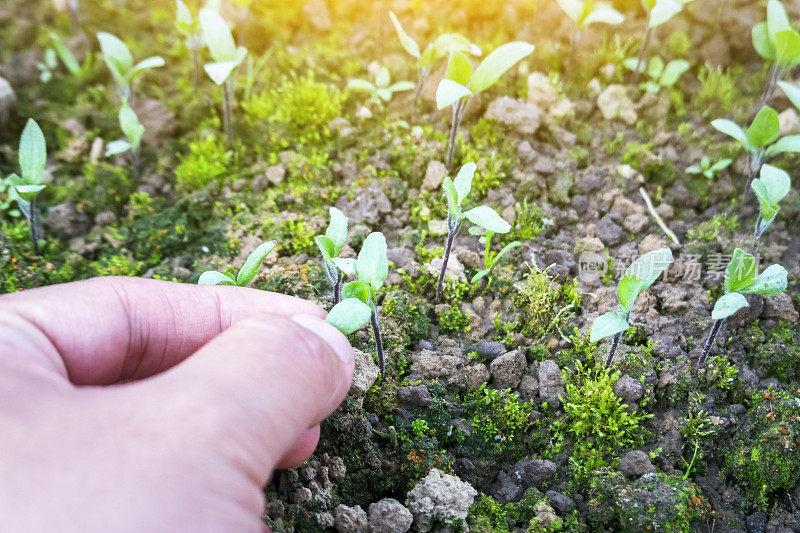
(137, 405)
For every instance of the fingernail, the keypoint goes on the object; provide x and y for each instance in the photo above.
(329, 334)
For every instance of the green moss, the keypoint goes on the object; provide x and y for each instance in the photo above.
(679, 43)
(543, 302)
(208, 160)
(117, 265)
(720, 228)
(499, 421)
(405, 322)
(775, 353)
(718, 92)
(453, 319)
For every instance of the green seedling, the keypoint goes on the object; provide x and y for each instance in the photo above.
(662, 76)
(370, 270)
(658, 12)
(189, 27)
(330, 246)
(59, 51)
(770, 188)
(25, 188)
(246, 274)
(133, 130)
(461, 82)
(455, 192)
(383, 89)
(47, 65)
(120, 62)
(587, 12)
(638, 276)
(791, 91)
(490, 258)
(438, 49)
(777, 43)
(227, 57)
(741, 277)
(709, 169)
(760, 140)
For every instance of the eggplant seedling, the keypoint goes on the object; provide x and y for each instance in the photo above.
(25, 188)
(709, 169)
(461, 83)
(741, 277)
(760, 140)
(587, 12)
(383, 89)
(438, 49)
(189, 27)
(658, 12)
(490, 258)
(370, 270)
(119, 61)
(245, 275)
(638, 276)
(133, 130)
(330, 246)
(227, 57)
(455, 192)
(662, 75)
(770, 188)
(776, 42)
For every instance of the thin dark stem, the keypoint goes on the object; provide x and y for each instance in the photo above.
(34, 233)
(452, 231)
(136, 162)
(613, 349)
(709, 342)
(337, 288)
(376, 330)
(647, 35)
(754, 164)
(227, 105)
(757, 239)
(451, 147)
(422, 77)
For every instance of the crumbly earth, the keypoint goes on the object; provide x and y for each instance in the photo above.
(494, 413)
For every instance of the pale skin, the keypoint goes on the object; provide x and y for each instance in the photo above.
(130, 405)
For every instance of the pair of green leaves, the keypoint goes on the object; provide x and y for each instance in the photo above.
(32, 159)
(707, 169)
(219, 40)
(775, 40)
(119, 60)
(246, 274)
(383, 89)
(359, 297)
(185, 23)
(660, 11)
(641, 274)
(762, 135)
(456, 191)
(771, 187)
(662, 75)
(586, 12)
(490, 258)
(461, 82)
(330, 244)
(441, 47)
(741, 278)
(131, 127)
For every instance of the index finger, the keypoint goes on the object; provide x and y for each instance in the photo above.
(105, 330)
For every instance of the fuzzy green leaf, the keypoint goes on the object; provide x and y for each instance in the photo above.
(337, 230)
(731, 129)
(486, 217)
(728, 305)
(762, 42)
(787, 48)
(740, 272)
(459, 68)
(117, 147)
(463, 181)
(29, 192)
(788, 144)
(217, 36)
(662, 11)
(130, 125)
(573, 8)
(765, 128)
(219, 72)
(32, 153)
(451, 195)
(777, 19)
(144, 64)
(627, 291)
(346, 264)
(372, 265)
(360, 85)
(650, 266)
(349, 315)
(603, 13)
(382, 78)
(326, 247)
(673, 71)
(497, 63)
(212, 277)
(449, 92)
(772, 281)
(791, 91)
(253, 263)
(116, 55)
(607, 325)
(408, 43)
(358, 290)
(771, 187)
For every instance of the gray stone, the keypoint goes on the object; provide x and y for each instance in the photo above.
(324, 520)
(540, 92)
(490, 350)
(635, 464)
(780, 307)
(614, 103)
(508, 369)
(528, 388)
(533, 473)
(608, 231)
(350, 519)
(476, 375)
(432, 365)
(523, 117)
(562, 504)
(414, 396)
(7, 99)
(365, 374)
(389, 516)
(551, 383)
(66, 221)
(628, 389)
(434, 175)
(438, 498)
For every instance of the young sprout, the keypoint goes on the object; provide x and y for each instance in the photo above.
(587, 12)
(383, 89)
(455, 191)
(246, 274)
(760, 140)
(658, 12)
(25, 188)
(741, 279)
(189, 27)
(370, 269)
(490, 258)
(120, 62)
(662, 76)
(438, 49)
(770, 188)
(776, 42)
(330, 245)
(461, 83)
(51, 57)
(707, 169)
(227, 56)
(133, 130)
(639, 275)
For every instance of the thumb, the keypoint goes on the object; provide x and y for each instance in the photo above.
(261, 385)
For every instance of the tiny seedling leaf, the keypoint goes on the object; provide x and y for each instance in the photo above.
(117, 147)
(217, 36)
(253, 263)
(326, 247)
(788, 144)
(791, 91)
(32, 153)
(337, 230)
(762, 42)
(650, 266)
(772, 281)
(486, 217)
(408, 43)
(764, 129)
(213, 277)
(777, 19)
(728, 305)
(740, 272)
(459, 68)
(771, 187)
(451, 195)
(662, 11)
(497, 63)
(607, 325)
(383, 78)
(449, 92)
(358, 290)
(29, 192)
(605, 14)
(349, 315)
(360, 85)
(787, 48)
(130, 125)
(627, 291)
(731, 129)
(346, 264)
(116, 54)
(372, 265)
(573, 8)
(150, 62)
(463, 181)
(219, 72)
(672, 72)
